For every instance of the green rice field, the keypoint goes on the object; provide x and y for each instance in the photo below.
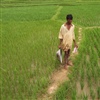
(29, 41)
(85, 76)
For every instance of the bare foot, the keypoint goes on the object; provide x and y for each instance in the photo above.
(66, 66)
(70, 63)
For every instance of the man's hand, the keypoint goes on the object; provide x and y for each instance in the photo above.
(59, 47)
(75, 45)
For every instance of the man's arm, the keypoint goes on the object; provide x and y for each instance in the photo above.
(60, 43)
(75, 45)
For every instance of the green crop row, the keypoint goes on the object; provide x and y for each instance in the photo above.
(28, 58)
(28, 13)
(22, 3)
(83, 15)
(86, 71)
(29, 44)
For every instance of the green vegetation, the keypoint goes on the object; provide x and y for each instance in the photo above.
(83, 15)
(17, 3)
(28, 13)
(86, 71)
(28, 57)
(30, 41)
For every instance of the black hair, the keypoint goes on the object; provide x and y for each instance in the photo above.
(69, 16)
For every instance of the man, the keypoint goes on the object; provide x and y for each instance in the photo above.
(67, 37)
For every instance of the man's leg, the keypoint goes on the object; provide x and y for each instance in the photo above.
(66, 56)
(69, 62)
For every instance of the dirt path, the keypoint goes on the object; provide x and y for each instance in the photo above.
(61, 75)
(92, 27)
(57, 13)
(58, 77)
(80, 35)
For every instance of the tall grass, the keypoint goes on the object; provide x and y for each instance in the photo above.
(87, 72)
(28, 57)
(83, 15)
(28, 13)
(29, 42)
(22, 3)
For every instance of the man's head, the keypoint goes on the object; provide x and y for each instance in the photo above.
(69, 18)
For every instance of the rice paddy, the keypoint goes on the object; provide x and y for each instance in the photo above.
(29, 41)
(85, 84)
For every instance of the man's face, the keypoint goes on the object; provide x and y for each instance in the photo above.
(69, 21)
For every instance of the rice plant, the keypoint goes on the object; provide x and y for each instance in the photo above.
(30, 41)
